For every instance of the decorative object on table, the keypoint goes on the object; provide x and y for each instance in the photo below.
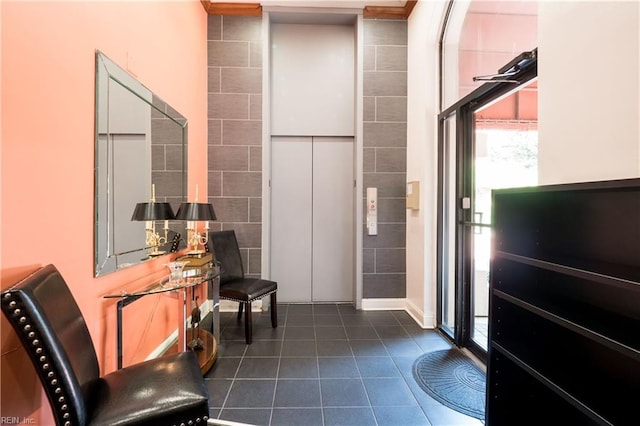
(193, 213)
(197, 260)
(195, 344)
(149, 213)
(453, 379)
(176, 268)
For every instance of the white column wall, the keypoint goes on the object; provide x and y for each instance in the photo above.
(589, 91)
(422, 151)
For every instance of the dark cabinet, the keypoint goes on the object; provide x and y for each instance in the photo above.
(564, 332)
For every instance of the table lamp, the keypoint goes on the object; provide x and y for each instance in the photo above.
(193, 213)
(149, 213)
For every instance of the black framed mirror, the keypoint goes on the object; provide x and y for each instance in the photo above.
(140, 141)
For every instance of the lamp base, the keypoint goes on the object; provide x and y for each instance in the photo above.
(156, 253)
(196, 344)
(196, 253)
(206, 356)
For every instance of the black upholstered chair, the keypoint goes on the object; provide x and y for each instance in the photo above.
(169, 390)
(233, 284)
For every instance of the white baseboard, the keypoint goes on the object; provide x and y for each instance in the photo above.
(416, 313)
(164, 346)
(205, 308)
(383, 304)
(423, 320)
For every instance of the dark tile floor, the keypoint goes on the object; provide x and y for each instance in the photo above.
(326, 365)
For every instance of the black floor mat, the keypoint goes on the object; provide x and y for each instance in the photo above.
(452, 379)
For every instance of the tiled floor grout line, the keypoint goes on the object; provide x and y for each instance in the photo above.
(313, 321)
(224, 403)
(275, 384)
(362, 379)
(403, 377)
(372, 325)
(391, 357)
(358, 368)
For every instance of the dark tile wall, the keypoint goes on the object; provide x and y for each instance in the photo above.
(385, 155)
(235, 150)
(235, 130)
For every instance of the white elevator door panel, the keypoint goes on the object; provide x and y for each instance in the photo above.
(291, 217)
(333, 244)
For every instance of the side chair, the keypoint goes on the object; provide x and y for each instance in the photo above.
(233, 283)
(168, 390)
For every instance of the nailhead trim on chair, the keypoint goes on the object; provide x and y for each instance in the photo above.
(190, 422)
(248, 301)
(39, 353)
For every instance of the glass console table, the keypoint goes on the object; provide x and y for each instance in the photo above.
(192, 277)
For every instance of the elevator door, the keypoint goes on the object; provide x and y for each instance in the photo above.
(312, 244)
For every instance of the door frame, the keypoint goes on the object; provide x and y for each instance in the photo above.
(358, 138)
(464, 110)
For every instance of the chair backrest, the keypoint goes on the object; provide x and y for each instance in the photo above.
(50, 325)
(174, 241)
(226, 251)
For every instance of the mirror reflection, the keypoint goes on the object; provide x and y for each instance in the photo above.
(140, 142)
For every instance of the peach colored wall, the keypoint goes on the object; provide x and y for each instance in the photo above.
(47, 158)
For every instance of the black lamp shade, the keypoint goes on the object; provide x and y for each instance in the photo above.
(153, 211)
(196, 212)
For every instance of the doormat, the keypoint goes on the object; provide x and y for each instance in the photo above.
(453, 379)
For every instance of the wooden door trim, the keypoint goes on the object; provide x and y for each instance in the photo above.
(255, 9)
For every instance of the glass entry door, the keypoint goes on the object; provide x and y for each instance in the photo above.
(505, 155)
(487, 141)
(447, 242)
